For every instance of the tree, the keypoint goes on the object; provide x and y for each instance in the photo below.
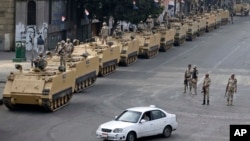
(132, 11)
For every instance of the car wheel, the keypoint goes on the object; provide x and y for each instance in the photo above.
(131, 136)
(167, 132)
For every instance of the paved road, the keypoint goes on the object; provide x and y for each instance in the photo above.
(158, 81)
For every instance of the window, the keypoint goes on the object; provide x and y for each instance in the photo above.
(31, 13)
(157, 114)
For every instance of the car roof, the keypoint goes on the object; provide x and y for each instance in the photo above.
(143, 109)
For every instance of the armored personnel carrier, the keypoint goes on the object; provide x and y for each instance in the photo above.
(241, 8)
(210, 22)
(108, 54)
(86, 67)
(180, 35)
(50, 87)
(192, 30)
(225, 16)
(129, 48)
(149, 44)
(217, 15)
(167, 37)
(201, 25)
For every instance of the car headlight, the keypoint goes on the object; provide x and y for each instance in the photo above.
(117, 130)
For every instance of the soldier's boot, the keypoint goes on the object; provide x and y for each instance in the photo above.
(207, 102)
(231, 103)
(204, 102)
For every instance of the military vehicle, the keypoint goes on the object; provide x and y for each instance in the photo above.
(217, 15)
(50, 87)
(86, 68)
(210, 22)
(129, 48)
(192, 30)
(167, 37)
(181, 31)
(241, 8)
(201, 25)
(225, 16)
(149, 44)
(109, 55)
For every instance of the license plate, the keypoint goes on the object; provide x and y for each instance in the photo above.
(104, 135)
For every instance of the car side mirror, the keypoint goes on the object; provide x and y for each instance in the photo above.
(143, 120)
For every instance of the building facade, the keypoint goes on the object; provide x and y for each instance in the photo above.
(53, 20)
(7, 28)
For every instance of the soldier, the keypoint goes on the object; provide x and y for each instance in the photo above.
(150, 23)
(69, 47)
(205, 88)
(141, 26)
(232, 17)
(195, 78)
(40, 62)
(231, 89)
(104, 33)
(187, 78)
(165, 19)
(61, 52)
(57, 47)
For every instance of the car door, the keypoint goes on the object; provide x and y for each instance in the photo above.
(145, 128)
(159, 121)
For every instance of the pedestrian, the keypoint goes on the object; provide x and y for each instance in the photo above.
(232, 17)
(231, 89)
(187, 78)
(205, 89)
(104, 33)
(40, 44)
(195, 78)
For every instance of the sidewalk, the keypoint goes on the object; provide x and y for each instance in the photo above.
(7, 65)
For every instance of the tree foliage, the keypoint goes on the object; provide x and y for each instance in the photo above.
(124, 10)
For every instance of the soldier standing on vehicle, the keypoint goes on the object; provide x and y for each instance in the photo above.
(187, 79)
(141, 26)
(195, 79)
(205, 89)
(104, 33)
(69, 47)
(231, 89)
(150, 23)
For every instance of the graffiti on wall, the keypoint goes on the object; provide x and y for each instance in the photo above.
(29, 35)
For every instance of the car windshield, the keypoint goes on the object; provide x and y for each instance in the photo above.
(129, 116)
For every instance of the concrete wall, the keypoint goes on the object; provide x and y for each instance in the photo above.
(7, 28)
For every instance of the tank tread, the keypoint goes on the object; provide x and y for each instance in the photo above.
(107, 70)
(164, 47)
(152, 53)
(128, 61)
(84, 84)
(7, 103)
(56, 104)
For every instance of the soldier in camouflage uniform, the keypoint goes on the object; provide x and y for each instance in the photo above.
(187, 78)
(150, 23)
(69, 47)
(195, 78)
(205, 89)
(104, 33)
(231, 89)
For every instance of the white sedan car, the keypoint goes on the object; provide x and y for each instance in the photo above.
(138, 122)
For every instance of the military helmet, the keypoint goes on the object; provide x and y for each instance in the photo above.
(104, 23)
(63, 42)
(68, 40)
